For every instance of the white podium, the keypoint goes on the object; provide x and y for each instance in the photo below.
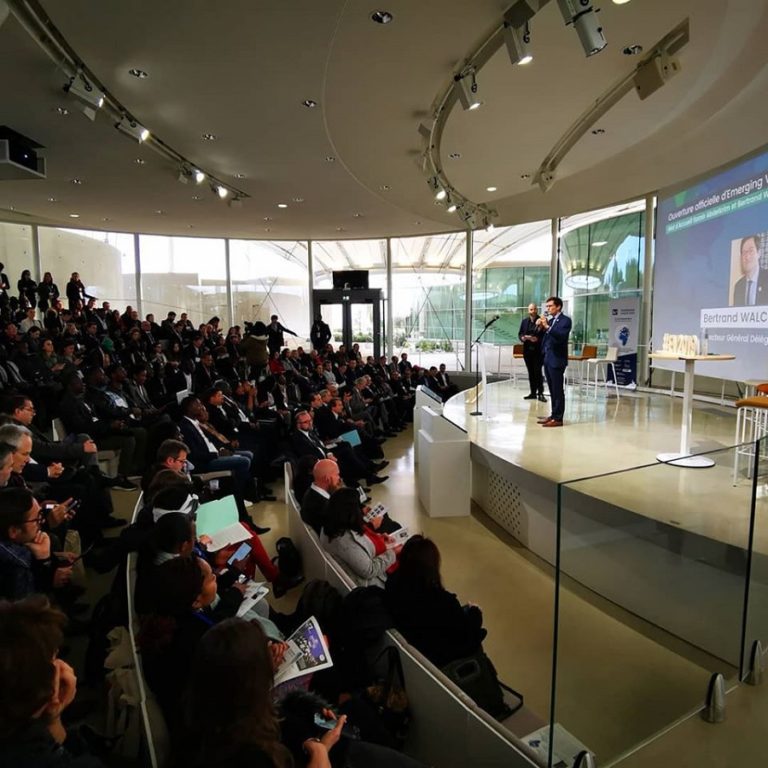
(426, 397)
(443, 475)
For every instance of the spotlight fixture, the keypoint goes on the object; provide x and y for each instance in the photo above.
(140, 73)
(309, 103)
(441, 194)
(90, 97)
(198, 176)
(434, 184)
(184, 174)
(452, 207)
(466, 86)
(235, 202)
(220, 190)
(518, 42)
(583, 16)
(381, 17)
(133, 129)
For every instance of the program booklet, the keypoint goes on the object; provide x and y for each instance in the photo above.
(254, 591)
(307, 652)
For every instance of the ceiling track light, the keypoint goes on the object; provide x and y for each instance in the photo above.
(198, 176)
(583, 16)
(89, 96)
(220, 190)
(131, 128)
(518, 42)
(466, 89)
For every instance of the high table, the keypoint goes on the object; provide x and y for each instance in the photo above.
(683, 457)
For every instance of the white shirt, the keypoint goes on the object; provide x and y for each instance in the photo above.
(211, 447)
(320, 491)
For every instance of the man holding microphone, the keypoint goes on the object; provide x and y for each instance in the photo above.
(557, 329)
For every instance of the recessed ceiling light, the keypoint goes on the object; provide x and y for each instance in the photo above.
(159, 211)
(598, 131)
(267, 229)
(381, 17)
(525, 176)
(417, 223)
(455, 155)
(106, 218)
(490, 189)
(71, 215)
(140, 73)
(239, 175)
(52, 200)
(267, 218)
(297, 199)
(620, 2)
(358, 215)
(196, 197)
(309, 103)
(633, 50)
(339, 229)
(140, 161)
(76, 181)
(209, 136)
(282, 205)
(385, 187)
(63, 111)
(330, 159)
(190, 226)
(598, 243)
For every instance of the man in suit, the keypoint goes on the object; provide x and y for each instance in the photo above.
(325, 480)
(532, 336)
(751, 288)
(319, 334)
(556, 330)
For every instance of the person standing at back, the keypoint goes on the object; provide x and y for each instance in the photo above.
(320, 334)
(557, 330)
(275, 338)
(532, 335)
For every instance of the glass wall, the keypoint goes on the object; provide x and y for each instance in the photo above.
(428, 309)
(104, 260)
(16, 253)
(600, 260)
(271, 278)
(511, 269)
(183, 274)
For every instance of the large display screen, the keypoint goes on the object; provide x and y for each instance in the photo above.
(711, 269)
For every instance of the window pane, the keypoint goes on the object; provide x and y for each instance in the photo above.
(600, 260)
(428, 288)
(104, 260)
(511, 269)
(183, 274)
(270, 278)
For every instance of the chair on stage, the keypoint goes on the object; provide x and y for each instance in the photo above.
(518, 363)
(751, 425)
(588, 352)
(595, 364)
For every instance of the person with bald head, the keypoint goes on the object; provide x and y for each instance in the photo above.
(532, 336)
(325, 480)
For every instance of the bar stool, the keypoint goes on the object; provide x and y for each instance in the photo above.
(588, 352)
(596, 364)
(751, 425)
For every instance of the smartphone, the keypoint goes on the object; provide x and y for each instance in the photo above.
(240, 554)
(350, 731)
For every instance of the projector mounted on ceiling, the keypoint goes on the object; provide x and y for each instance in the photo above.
(18, 156)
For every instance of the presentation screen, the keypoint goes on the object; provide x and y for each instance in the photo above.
(711, 269)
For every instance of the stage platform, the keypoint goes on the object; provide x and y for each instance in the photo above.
(668, 544)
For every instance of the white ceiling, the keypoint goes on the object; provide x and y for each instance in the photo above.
(240, 69)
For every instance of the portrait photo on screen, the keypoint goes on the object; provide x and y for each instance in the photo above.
(749, 277)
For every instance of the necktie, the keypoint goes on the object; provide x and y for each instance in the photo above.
(749, 293)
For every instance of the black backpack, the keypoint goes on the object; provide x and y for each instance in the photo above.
(288, 558)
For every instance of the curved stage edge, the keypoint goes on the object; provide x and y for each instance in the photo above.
(668, 544)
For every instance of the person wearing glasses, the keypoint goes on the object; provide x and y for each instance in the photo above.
(27, 564)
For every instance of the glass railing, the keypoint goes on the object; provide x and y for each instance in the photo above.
(653, 594)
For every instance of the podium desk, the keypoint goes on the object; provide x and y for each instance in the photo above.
(683, 458)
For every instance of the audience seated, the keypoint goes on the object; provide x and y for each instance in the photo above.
(325, 481)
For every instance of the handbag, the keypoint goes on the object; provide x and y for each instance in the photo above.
(477, 677)
(389, 698)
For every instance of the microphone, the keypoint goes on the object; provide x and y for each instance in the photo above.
(492, 321)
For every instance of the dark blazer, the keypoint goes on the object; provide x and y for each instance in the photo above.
(528, 327)
(303, 446)
(761, 294)
(313, 507)
(555, 344)
(79, 417)
(199, 454)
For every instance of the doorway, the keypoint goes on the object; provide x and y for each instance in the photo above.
(354, 317)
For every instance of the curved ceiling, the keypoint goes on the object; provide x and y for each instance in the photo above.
(241, 69)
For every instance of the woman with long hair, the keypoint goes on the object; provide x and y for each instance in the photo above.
(430, 617)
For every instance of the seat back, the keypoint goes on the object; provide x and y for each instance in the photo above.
(517, 350)
(588, 351)
(612, 355)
